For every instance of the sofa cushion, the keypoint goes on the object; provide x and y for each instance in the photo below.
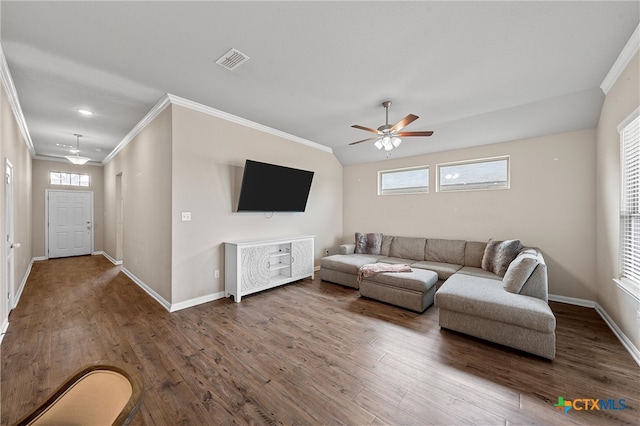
(473, 253)
(444, 270)
(368, 243)
(348, 263)
(394, 260)
(408, 248)
(417, 280)
(519, 272)
(479, 272)
(445, 251)
(386, 245)
(499, 254)
(485, 298)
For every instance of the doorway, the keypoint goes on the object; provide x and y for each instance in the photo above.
(10, 245)
(69, 223)
(119, 219)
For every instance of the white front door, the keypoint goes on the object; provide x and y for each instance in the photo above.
(8, 193)
(70, 223)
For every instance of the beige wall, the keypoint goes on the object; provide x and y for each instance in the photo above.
(145, 165)
(622, 100)
(41, 169)
(208, 160)
(551, 204)
(14, 148)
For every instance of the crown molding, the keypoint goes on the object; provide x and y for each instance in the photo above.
(151, 115)
(64, 160)
(244, 122)
(12, 96)
(168, 99)
(628, 52)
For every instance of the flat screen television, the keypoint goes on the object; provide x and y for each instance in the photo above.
(272, 188)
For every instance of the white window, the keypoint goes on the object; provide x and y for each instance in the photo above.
(413, 180)
(630, 207)
(483, 173)
(69, 179)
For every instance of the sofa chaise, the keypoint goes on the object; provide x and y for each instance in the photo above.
(494, 290)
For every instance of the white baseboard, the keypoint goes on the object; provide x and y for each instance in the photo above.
(572, 301)
(3, 329)
(633, 351)
(197, 301)
(39, 258)
(109, 258)
(151, 292)
(23, 283)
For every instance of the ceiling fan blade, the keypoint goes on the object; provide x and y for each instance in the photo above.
(425, 133)
(363, 140)
(404, 122)
(355, 126)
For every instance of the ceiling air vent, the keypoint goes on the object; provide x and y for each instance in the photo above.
(232, 59)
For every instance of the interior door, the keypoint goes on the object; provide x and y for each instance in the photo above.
(10, 245)
(70, 223)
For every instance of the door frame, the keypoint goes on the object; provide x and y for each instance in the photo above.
(9, 224)
(46, 217)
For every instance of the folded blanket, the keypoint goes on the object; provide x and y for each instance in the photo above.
(375, 268)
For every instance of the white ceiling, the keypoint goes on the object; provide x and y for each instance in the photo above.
(475, 72)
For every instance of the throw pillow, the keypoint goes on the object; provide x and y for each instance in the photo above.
(368, 243)
(499, 254)
(519, 272)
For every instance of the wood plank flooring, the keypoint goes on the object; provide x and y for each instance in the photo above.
(307, 353)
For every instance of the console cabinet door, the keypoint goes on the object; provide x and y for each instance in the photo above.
(301, 258)
(255, 267)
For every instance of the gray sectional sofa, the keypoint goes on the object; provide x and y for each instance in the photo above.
(479, 288)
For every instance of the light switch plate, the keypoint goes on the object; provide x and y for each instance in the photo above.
(186, 216)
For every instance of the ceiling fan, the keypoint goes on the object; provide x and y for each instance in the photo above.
(389, 137)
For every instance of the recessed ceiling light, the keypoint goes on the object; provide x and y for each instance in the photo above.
(85, 112)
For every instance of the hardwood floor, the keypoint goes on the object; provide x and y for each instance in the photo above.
(306, 353)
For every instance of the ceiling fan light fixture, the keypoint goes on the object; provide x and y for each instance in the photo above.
(396, 141)
(386, 142)
(378, 144)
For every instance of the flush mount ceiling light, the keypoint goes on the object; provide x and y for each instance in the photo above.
(76, 159)
(85, 112)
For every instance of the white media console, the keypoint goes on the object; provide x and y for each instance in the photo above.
(255, 265)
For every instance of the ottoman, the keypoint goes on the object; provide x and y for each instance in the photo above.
(410, 290)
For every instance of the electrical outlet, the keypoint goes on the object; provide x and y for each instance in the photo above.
(216, 274)
(186, 216)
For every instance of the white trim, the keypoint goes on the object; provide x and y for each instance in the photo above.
(635, 353)
(109, 258)
(624, 123)
(23, 283)
(64, 160)
(39, 258)
(151, 292)
(572, 301)
(12, 96)
(168, 99)
(628, 52)
(3, 329)
(628, 287)
(197, 301)
(244, 122)
(151, 115)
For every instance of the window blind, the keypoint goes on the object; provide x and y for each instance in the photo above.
(630, 203)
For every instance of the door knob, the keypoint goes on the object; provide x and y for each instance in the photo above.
(15, 245)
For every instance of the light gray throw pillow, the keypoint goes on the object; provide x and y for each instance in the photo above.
(519, 272)
(499, 254)
(368, 243)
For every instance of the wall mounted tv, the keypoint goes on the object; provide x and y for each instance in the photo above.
(272, 188)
